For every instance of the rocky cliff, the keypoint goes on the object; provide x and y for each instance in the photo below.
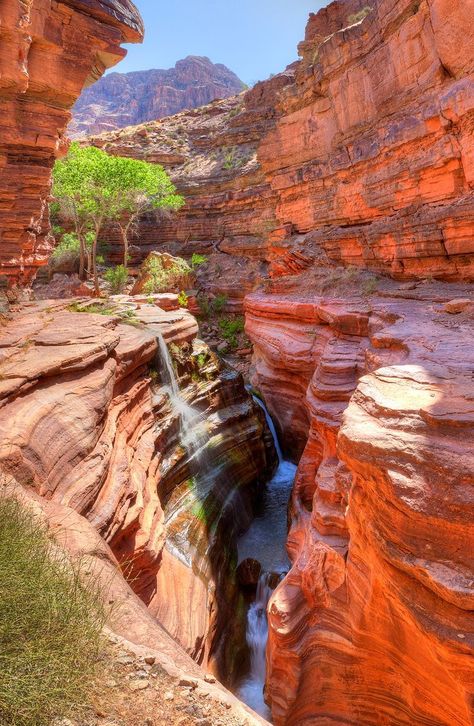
(353, 167)
(125, 99)
(373, 624)
(360, 154)
(88, 422)
(49, 52)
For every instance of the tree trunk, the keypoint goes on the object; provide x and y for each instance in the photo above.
(82, 256)
(125, 246)
(94, 258)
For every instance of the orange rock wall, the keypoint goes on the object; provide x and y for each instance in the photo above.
(373, 624)
(364, 150)
(49, 50)
(86, 423)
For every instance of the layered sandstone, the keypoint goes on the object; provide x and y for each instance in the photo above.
(126, 99)
(87, 422)
(361, 153)
(373, 624)
(49, 52)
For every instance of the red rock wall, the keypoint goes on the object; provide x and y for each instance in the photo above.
(86, 423)
(373, 624)
(49, 51)
(364, 149)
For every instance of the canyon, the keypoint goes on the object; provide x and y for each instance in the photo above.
(126, 99)
(334, 203)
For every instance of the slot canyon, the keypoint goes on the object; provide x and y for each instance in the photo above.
(287, 528)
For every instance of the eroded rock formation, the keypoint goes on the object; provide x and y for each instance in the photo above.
(125, 99)
(374, 623)
(49, 52)
(87, 423)
(360, 153)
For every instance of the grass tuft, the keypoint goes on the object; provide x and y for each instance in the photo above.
(51, 619)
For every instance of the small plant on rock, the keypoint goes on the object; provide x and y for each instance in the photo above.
(198, 260)
(183, 299)
(117, 278)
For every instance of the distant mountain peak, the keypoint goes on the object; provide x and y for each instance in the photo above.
(128, 99)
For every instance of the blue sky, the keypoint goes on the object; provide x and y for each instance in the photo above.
(254, 38)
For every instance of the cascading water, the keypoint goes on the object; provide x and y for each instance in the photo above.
(265, 540)
(192, 435)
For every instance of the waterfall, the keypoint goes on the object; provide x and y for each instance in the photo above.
(265, 540)
(271, 426)
(193, 437)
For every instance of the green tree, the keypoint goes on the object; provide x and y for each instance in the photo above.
(84, 187)
(94, 188)
(141, 187)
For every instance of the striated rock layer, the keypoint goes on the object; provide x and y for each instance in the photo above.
(361, 153)
(125, 99)
(49, 50)
(374, 622)
(86, 421)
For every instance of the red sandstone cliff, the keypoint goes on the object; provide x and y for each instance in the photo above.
(124, 99)
(361, 153)
(48, 52)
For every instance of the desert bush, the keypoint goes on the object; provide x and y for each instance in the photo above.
(51, 620)
(117, 278)
(198, 260)
(163, 276)
(219, 302)
(183, 299)
(230, 329)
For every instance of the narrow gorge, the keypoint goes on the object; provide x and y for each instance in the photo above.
(285, 521)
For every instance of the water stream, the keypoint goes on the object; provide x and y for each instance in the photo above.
(265, 541)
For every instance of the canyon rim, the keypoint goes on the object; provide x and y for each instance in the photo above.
(330, 211)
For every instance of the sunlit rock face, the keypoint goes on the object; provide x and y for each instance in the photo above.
(126, 99)
(361, 153)
(87, 422)
(373, 624)
(48, 52)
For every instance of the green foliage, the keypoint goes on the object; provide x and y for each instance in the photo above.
(204, 305)
(117, 278)
(230, 160)
(230, 328)
(69, 246)
(162, 278)
(93, 188)
(183, 299)
(218, 303)
(198, 260)
(370, 285)
(51, 618)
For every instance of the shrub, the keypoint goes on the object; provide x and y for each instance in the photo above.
(230, 330)
(219, 303)
(161, 278)
(117, 278)
(183, 299)
(204, 306)
(50, 624)
(198, 260)
(358, 17)
(67, 250)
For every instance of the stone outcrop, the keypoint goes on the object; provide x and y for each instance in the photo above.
(361, 153)
(49, 52)
(373, 624)
(126, 99)
(86, 422)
